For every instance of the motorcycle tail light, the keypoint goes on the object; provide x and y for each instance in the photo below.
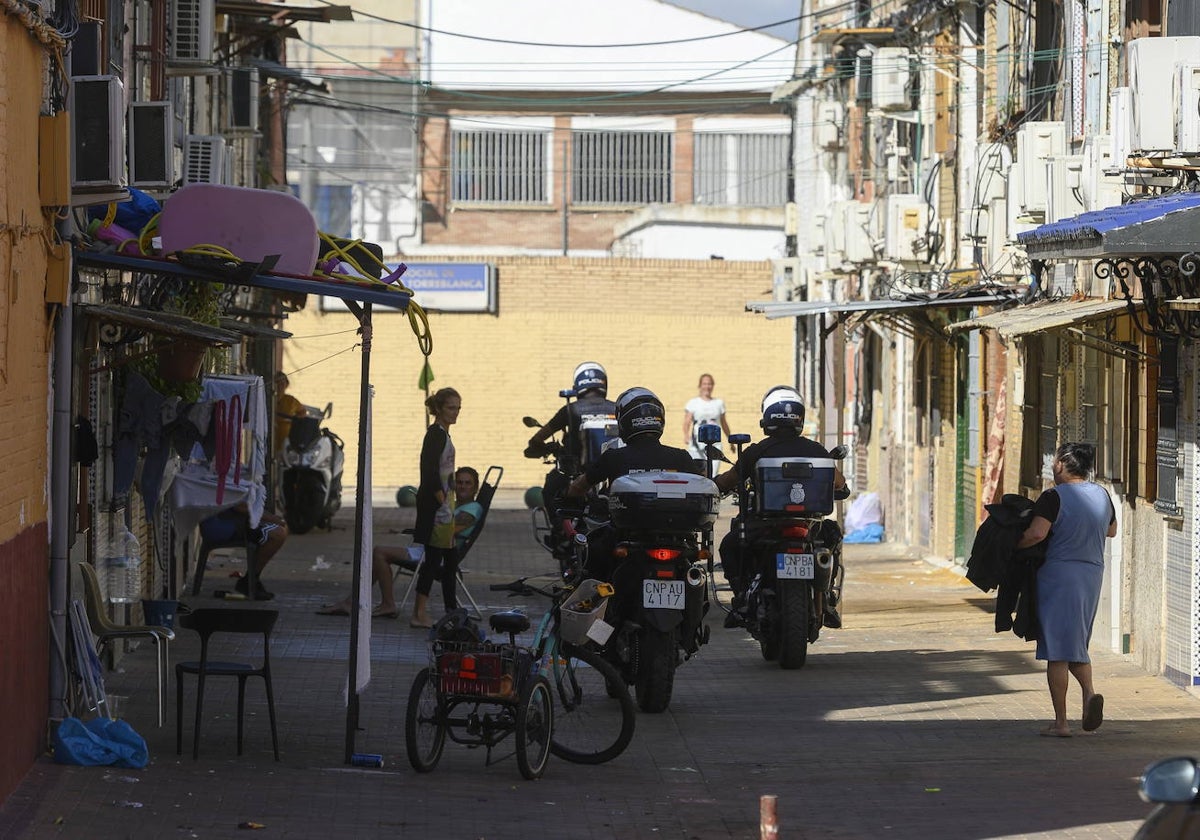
(664, 573)
(798, 532)
(664, 555)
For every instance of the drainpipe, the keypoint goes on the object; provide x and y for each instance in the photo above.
(61, 454)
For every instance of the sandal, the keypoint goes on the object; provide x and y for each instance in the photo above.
(380, 612)
(333, 609)
(1093, 715)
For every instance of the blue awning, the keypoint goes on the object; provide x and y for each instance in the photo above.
(1167, 224)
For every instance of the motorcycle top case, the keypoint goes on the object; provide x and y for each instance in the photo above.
(663, 501)
(794, 486)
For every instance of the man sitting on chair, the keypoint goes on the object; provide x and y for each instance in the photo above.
(467, 513)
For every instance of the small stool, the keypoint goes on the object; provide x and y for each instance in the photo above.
(206, 547)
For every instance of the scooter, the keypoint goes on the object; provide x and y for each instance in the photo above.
(312, 458)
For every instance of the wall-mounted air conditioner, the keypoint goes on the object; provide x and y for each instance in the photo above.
(906, 230)
(87, 48)
(204, 159)
(151, 144)
(891, 76)
(997, 231)
(991, 169)
(1100, 190)
(816, 232)
(1186, 107)
(827, 133)
(861, 231)
(1120, 124)
(1152, 64)
(1036, 143)
(97, 132)
(1064, 187)
(241, 99)
(191, 31)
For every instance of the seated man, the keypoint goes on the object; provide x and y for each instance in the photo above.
(233, 525)
(467, 513)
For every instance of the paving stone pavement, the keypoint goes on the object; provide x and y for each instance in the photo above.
(914, 721)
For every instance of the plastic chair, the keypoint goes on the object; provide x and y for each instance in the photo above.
(208, 622)
(207, 547)
(105, 631)
(487, 491)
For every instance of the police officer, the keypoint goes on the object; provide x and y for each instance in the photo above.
(640, 422)
(585, 421)
(782, 420)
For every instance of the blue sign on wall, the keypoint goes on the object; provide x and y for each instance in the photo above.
(444, 287)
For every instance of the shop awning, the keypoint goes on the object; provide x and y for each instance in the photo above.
(352, 290)
(807, 308)
(1162, 225)
(160, 323)
(1043, 316)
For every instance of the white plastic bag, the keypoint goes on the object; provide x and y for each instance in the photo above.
(865, 510)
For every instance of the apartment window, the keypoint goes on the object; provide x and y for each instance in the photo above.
(1039, 412)
(622, 167)
(741, 169)
(500, 167)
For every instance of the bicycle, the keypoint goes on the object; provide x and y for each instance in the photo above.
(479, 692)
(595, 715)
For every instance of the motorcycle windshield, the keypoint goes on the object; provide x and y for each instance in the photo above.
(304, 431)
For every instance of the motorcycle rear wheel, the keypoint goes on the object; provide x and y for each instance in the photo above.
(298, 523)
(795, 600)
(655, 679)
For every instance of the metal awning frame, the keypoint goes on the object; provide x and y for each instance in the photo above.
(1018, 321)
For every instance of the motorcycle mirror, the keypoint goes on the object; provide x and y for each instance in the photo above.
(739, 440)
(328, 410)
(567, 393)
(716, 454)
(839, 452)
(531, 422)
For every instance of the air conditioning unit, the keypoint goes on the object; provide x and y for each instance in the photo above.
(241, 99)
(1100, 190)
(827, 133)
(1152, 64)
(997, 231)
(907, 227)
(861, 231)
(1186, 107)
(191, 31)
(891, 75)
(97, 132)
(204, 159)
(1018, 221)
(1120, 124)
(151, 144)
(1064, 187)
(816, 232)
(1036, 143)
(87, 48)
(991, 169)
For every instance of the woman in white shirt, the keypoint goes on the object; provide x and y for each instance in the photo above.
(704, 409)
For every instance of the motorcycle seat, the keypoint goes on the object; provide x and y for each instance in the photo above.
(509, 621)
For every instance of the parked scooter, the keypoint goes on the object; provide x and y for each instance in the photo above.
(312, 472)
(790, 551)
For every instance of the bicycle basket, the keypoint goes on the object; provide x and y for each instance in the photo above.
(582, 608)
(475, 669)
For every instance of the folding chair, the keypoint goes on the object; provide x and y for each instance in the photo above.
(487, 490)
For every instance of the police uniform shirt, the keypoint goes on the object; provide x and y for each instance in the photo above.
(586, 420)
(786, 443)
(643, 453)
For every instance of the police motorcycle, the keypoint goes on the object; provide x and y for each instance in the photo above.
(791, 551)
(557, 523)
(312, 460)
(660, 537)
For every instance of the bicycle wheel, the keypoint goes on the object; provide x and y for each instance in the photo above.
(595, 716)
(424, 723)
(535, 723)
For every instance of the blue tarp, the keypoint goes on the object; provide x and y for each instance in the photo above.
(1095, 223)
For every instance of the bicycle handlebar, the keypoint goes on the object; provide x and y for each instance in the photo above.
(520, 587)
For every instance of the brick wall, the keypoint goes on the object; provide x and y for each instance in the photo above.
(657, 323)
(24, 412)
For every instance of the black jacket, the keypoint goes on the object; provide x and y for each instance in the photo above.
(997, 563)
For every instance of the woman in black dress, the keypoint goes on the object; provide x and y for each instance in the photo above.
(435, 507)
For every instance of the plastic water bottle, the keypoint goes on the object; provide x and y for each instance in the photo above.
(124, 568)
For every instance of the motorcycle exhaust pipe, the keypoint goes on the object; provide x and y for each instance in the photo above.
(824, 570)
(695, 575)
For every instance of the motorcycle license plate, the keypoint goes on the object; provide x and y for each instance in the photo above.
(663, 594)
(794, 566)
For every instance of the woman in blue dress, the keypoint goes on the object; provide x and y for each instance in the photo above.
(1075, 516)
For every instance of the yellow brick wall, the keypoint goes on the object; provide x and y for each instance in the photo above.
(24, 410)
(655, 323)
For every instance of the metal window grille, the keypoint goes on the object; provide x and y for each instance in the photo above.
(1166, 453)
(741, 169)
(622, 167)
(505, 167)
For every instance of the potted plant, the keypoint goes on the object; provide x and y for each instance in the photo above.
(174, 364)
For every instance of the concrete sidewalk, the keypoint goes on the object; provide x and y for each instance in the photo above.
(916, 720)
